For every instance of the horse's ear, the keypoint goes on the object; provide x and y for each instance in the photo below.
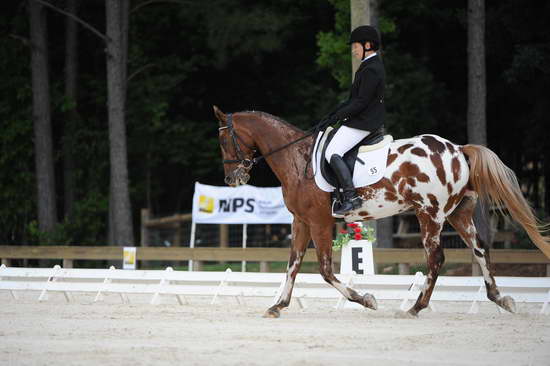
(220, 115)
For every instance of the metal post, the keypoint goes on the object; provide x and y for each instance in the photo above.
(145, 214)
(243, 263)
(192, 243)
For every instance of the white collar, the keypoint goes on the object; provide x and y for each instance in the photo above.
(369, 56)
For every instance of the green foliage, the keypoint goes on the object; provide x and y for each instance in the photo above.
(334, 51)
(289, 58)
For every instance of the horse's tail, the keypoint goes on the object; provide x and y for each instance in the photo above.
(498, 184)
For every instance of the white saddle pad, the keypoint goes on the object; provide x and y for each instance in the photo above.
(374, 158)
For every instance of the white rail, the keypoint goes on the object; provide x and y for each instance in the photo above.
(239, 285)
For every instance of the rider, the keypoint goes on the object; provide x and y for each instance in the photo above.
(361, 114)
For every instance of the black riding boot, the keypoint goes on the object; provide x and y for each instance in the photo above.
(351, 200)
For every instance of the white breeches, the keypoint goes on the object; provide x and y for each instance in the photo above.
(344, 140)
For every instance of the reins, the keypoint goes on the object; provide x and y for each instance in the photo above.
(248, 163)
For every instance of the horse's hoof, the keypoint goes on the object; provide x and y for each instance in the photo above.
(272, 313)
(370, 302)
(400, 314)
(508, 304)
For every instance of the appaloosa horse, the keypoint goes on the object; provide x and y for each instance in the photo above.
(437, 179)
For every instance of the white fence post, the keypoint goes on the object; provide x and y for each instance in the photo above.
(417, 284)
(545, 305)
(2, 269)
(106, 282)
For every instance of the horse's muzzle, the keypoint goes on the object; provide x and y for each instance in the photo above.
(237, 177)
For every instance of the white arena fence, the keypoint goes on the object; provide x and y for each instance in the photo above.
(239, 285)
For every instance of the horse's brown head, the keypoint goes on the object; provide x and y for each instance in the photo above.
(237, 147)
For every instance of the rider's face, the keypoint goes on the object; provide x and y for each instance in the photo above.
(357, 49)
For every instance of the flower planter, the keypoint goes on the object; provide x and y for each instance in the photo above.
(357, 257)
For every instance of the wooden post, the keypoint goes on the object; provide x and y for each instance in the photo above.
(67, 263)
(145, 215)
(264, 266)
(404, 269)
(476, 270)
(224, 238)
(6, 262)
(547, 270)
(177, 235)
(144, 242)
(197, 265)
(224, 235)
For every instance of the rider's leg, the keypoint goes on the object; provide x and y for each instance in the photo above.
(344, 140)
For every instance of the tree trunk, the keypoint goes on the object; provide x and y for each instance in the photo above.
(477, 93)
(45, 175)
(477, 90)
(365, 12)
(71, 118)
(123, 234)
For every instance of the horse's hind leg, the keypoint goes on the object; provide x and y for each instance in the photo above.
(300, 239)
(430, 228)
(461, 219)
(322, 237)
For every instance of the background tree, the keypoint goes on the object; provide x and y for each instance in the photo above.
(120, 207)
(286, 57)
(477, 94)
(45, 175)
(71, 109)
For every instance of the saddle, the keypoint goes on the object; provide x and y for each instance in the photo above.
(349, 158)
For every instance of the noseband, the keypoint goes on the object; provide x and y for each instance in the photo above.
(241, 160)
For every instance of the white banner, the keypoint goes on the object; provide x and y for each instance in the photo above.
(241, 205)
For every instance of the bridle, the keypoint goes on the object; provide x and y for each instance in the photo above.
(249, 163)
(241, 159)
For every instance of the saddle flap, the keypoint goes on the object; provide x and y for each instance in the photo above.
(364, 160)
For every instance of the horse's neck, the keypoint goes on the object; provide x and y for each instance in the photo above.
(289, 164)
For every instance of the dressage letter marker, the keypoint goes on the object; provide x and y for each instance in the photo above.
(357, 257)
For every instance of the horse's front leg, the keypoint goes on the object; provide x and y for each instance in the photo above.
(300, 239)
(322, 237)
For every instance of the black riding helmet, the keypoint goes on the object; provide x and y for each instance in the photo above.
(363, 34)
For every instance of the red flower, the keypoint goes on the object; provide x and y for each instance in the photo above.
(358, 237)
(357, 229)
(343, 231)
(352, 224)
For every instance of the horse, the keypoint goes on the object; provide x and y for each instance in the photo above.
(439, 180)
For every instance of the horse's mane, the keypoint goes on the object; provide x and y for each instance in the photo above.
(266, 115)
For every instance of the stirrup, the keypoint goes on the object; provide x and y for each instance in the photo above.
(356, 202)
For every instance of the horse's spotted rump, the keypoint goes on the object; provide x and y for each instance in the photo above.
(391, 158)
(419, 151)
(439, 169)
(435, 146)
(410, 172)
(404, 148)
(455, 167)
(450, 147)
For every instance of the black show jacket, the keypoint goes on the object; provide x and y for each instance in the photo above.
(365, 108)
